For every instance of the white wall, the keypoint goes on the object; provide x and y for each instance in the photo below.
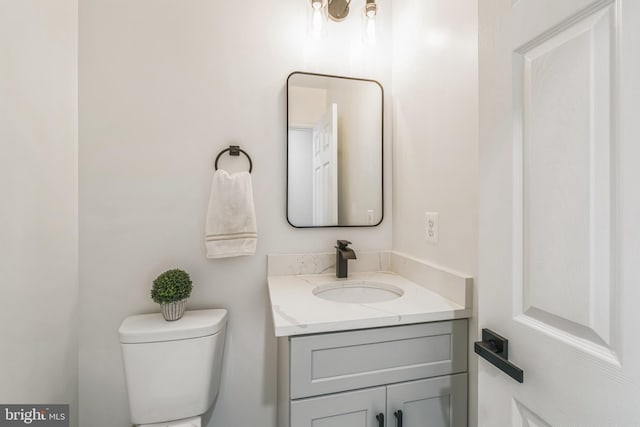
(435, 107)
(306, 106)
(164, 85)
(38, 212)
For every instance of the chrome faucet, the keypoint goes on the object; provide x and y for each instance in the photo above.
(343, 253)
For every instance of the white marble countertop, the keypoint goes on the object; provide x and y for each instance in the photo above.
(297, 311)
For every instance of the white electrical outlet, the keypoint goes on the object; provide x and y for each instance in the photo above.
(431, 227)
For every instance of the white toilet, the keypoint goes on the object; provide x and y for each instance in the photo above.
(172, 368)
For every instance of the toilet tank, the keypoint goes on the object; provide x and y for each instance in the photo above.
(172, 368)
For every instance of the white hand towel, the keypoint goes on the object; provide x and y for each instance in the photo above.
(231, 219)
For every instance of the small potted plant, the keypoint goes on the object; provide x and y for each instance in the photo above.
(171, 290)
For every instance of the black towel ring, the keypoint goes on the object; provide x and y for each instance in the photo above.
(234, 150)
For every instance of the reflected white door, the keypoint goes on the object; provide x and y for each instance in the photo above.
(559, 256)
(325, 169)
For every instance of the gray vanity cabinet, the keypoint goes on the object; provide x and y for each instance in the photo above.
(346, 378)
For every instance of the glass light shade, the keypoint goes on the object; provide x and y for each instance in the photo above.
(369, 27)
(317, 19)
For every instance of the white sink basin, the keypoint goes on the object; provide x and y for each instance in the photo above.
(358, 292)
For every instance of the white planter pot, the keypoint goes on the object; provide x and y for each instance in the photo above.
(174, 310)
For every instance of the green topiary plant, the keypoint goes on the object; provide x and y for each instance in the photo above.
(170, 286)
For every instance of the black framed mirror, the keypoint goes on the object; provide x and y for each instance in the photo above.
(334, 151)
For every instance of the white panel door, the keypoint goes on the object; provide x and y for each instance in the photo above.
(325, 169)
(559, 256)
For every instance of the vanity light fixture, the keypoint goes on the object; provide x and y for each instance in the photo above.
(338, 10)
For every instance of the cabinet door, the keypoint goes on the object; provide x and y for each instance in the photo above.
(350, 409)
(436, 402)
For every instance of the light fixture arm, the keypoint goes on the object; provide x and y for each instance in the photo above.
(338, 9)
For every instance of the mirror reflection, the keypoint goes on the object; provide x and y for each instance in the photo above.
(334, 151)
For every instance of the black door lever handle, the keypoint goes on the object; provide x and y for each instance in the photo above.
(495, 349)
(398, 415)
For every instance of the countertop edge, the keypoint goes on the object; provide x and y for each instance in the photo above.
(349, 325)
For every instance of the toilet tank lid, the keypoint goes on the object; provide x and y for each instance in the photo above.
(144, 328)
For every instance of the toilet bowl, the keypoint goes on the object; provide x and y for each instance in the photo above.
(172, 369)
(191, 422)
